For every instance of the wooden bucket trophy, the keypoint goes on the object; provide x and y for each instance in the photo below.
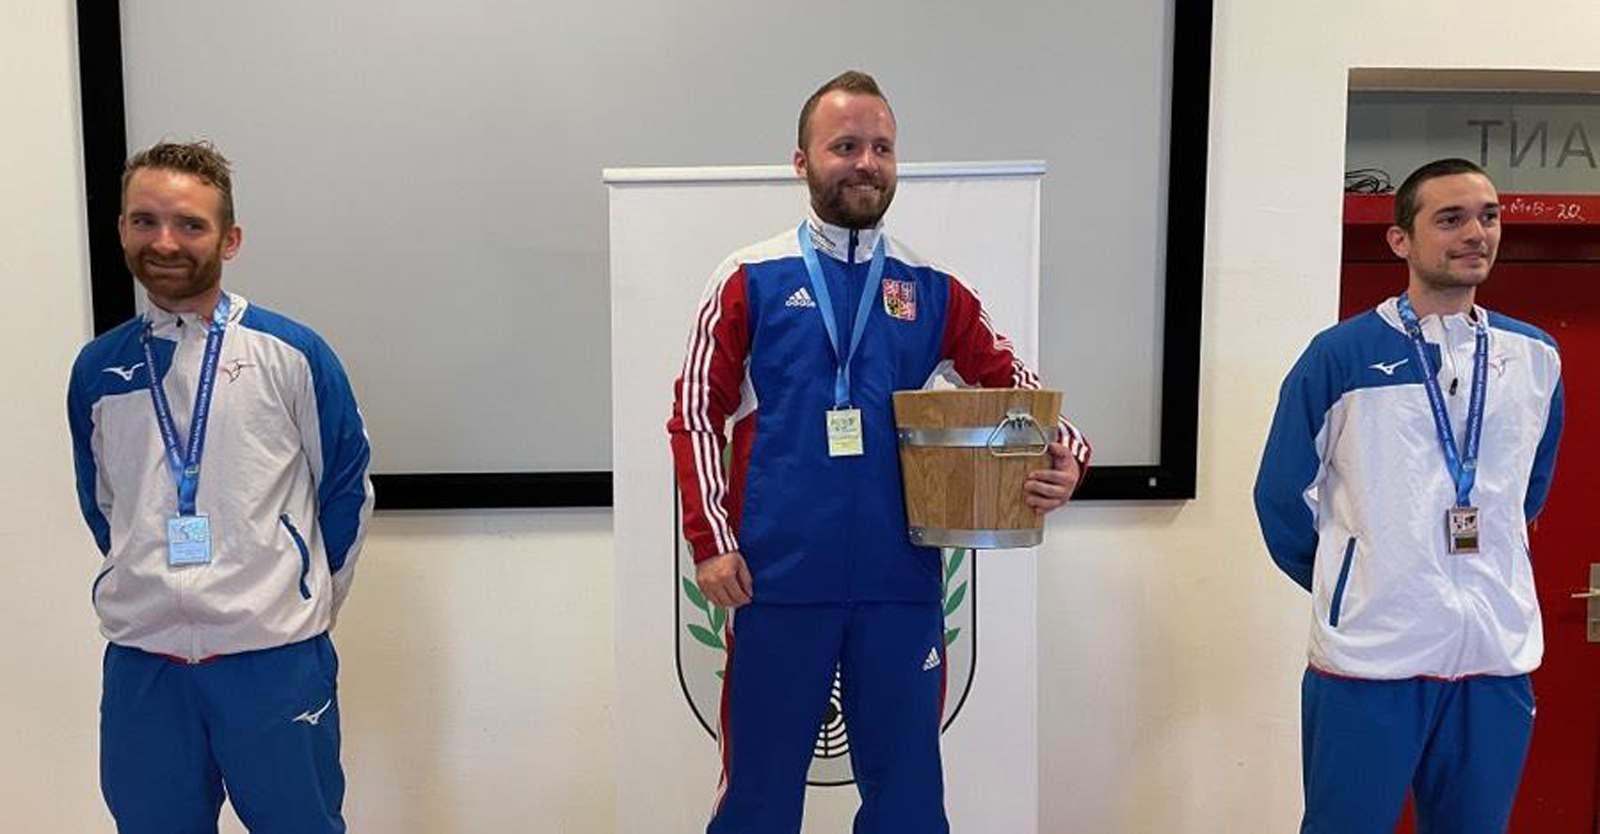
(964, 455)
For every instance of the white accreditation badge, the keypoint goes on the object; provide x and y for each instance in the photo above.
(844, 432)
(188, 540)
(1461, 528)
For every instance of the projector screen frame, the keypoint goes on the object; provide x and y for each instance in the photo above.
(1172, 477)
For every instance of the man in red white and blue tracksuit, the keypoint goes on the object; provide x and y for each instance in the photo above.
(798, 344)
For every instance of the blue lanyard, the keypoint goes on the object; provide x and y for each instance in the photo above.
(1463, 467)
(185, 468)
(819, 286)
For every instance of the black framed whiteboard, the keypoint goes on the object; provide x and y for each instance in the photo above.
(410, 175)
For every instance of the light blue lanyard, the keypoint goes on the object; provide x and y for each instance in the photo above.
(185, 467)
(1463, 467)
(819, 286)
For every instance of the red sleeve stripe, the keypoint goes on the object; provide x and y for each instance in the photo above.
(1077, 444)
(697, 359)
(707, 437)
(1023, 376)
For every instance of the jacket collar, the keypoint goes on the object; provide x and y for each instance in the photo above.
(1433, 323)
(165, 324)
(836, 241)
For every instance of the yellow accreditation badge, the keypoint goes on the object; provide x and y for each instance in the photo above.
(844, 432)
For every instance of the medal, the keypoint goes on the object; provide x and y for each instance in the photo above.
(188, 540)
(845, 436)
(1461, 527)
(188, 532)
(1461, 521)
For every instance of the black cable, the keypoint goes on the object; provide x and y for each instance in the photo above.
(1367, 181)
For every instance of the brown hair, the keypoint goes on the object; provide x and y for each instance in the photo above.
(850, 81)
(200, 159)
(1405, 200)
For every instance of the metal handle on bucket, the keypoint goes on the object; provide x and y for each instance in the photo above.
(1017, 418)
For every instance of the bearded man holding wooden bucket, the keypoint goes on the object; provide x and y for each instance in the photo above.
(799, 343)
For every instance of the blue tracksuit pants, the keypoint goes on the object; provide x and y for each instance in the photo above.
(262, 727)
(781, 662)
(1458, 745)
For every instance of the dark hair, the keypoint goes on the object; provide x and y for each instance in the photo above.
(200, 158)
(850, 81)
(1405, 200)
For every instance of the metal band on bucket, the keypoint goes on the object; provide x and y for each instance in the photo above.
(947, 438)
(981, 539)
(1015, 421)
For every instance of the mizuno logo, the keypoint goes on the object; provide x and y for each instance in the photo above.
(125, 373)
(1387, 368)
(1499, 364)
(801, 298)
(233, 368)
(310, 717)
(933, 659)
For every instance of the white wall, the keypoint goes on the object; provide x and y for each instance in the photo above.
(1170, 652)
(476, 674)
(50, 690)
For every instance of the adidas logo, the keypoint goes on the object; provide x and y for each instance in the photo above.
(933, 659)
(801, 298)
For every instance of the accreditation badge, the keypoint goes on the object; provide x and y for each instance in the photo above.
(188, 540)
(844, 432)
(1461, 528)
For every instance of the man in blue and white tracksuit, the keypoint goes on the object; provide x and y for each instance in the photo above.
(1411, 447)
(222, 469)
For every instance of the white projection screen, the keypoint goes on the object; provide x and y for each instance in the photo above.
(421, 183)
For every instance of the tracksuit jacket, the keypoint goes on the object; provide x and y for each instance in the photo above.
(283, 479)
(1353, 490)
(814, 528)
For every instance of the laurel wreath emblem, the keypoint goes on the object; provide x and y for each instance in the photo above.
(951, 558)
(716, 617)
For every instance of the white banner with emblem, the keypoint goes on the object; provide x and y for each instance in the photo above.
(669, 228)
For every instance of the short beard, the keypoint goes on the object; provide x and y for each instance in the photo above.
(202, 277)
(832, 206)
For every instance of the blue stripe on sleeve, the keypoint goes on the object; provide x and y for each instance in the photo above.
(1290, 462)
(342, 489)
(92, 379)
(80, 421)
(1544, 460)
(345, 456)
